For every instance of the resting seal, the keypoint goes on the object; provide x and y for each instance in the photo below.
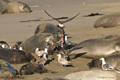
(94, 48)
(31, 68)
(6, 70)
(38, 41)
(112, 61)
(15, 56)
(46, 27)
(7, 6)
(108, 21)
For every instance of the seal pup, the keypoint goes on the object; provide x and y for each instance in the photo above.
(31, 68)
(62, 61)
(93, 48)
(111, 61)
(13, 7)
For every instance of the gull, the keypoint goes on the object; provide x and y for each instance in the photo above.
(4, 44)
(105, 66)
(41, 52)
(61, 23)
(44, 59)
(15, 47)
(20, 48)
(66, 40)
(49, 40)
(63, 61)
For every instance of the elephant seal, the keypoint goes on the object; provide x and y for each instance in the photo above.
(47, 27)
(108, 21)
(93, 48)
(6, 70)
(7, 6)
(15, 56)
(39, 41)
(31, 68)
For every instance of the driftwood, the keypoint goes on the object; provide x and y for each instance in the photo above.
(41, 19)
(92, 14)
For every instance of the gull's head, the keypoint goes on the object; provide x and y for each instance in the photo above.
(20, 48)
(3, 46)
(102, 58)
(59, 55)
(36, 49)
(61, 25)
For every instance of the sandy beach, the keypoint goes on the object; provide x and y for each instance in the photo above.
(79, 29)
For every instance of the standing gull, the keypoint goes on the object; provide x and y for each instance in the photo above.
(44, 59)
(63, 61)
(105, 66)
(41, 52)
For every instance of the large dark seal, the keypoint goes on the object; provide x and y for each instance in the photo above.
(107, 21)
(7, 6)
(15, 56)
(31, 68)
(38, 41)
(94, 48)
(46, 27)
(6, 70)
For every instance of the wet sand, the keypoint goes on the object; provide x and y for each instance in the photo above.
(80, 29)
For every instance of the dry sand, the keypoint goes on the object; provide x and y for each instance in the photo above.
(80, 29)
